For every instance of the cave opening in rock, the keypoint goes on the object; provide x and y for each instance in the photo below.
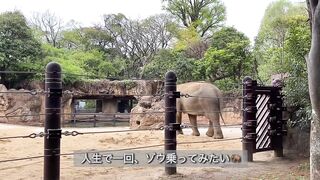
(102, 110)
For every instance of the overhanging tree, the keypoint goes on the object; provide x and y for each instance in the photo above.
(19, 50)
(50, 25)
(270, 44)
(228, 56)
(204, 15)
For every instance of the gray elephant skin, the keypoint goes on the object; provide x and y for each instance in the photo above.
(203, 100)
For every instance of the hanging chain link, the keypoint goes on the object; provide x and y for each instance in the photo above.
(71, 133)
(35, 135)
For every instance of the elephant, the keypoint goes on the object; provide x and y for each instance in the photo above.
(203, 100)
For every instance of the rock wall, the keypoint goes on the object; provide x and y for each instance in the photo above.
(148, 113)
(118, 88)
(21, 107)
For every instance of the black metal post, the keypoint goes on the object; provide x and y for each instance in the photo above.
(170, 137)
(114, 120)
(74, 121)
(249, 121)
(277, 125)
(52, 125)
(94, 121)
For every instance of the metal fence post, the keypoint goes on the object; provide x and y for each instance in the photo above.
(170, 137)
(74, 120)
(276, 132)
(52, 125)
(114, 120)
(249, 121)
(94, 121)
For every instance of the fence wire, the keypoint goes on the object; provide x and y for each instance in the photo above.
(24, 158)
(21, 72)
(78, 75)
(32, 92)
(152, 95)
(115, 150)
(210, 112)
(76, 133)
(75, 93)
(148, 112)
(209, 97)
(24, 115)
(186, 126)
(112, 114)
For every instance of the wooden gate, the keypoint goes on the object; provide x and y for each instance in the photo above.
(263, 112)
(263, 126)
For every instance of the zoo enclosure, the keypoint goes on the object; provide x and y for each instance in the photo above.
(53, 132)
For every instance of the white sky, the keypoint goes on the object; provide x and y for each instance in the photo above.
(245, 15)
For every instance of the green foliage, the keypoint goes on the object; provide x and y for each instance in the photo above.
(70, 66)
(129, 84)
(270, 45)
(204, 15)
(73, 39)
(227, 58)
(168, 60)
(90, 104)
(297, 90)
(86, 39)
(80, 65)
(186, 37)
(281, 46)
(19, 50)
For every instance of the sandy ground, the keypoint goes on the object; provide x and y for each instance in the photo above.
(264, 167)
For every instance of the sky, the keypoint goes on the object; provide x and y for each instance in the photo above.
(244, 15)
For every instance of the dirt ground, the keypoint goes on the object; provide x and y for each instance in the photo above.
(265, 166)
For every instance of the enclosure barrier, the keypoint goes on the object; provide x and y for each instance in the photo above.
(170, 137)
(52, 128)
(263, 127)
(249, 118)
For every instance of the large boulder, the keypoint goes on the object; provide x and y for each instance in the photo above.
(148, 113)
(19, 106)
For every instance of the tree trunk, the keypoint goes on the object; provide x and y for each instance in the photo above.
(315, 148)
(313, 63)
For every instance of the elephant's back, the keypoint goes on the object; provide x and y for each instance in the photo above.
(199, 88)
(204, 97)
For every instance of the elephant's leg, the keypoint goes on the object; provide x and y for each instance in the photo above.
(214, 118)
(179, 116)
(193, 121)
(210, 131)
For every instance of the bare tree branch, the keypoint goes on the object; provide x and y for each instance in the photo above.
(49, 24)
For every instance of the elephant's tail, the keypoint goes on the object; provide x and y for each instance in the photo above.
(222, 118)
(220, 111)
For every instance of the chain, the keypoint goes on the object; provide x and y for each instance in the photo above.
(185, 126)
(34, 135)
(207, 97)
(71, 133)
